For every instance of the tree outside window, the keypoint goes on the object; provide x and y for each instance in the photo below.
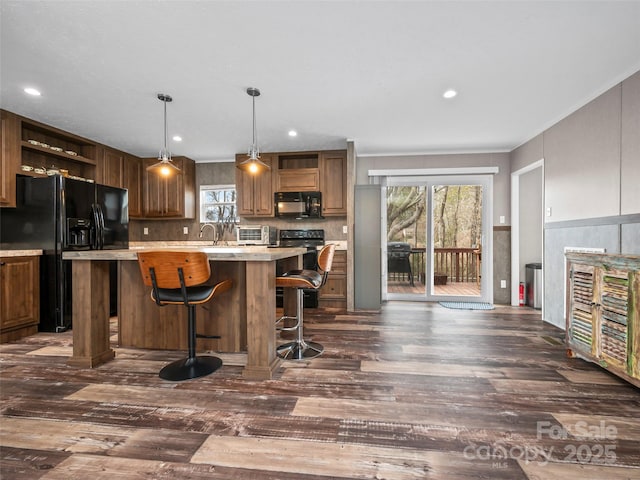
(457, 215)
(218, 204)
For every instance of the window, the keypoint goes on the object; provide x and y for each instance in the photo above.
(218, 204)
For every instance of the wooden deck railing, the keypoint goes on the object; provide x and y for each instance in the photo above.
(458, 264)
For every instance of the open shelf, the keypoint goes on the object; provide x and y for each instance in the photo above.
(56, 154)
(46, 147)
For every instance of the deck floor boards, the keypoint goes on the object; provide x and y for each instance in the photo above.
(416, 391)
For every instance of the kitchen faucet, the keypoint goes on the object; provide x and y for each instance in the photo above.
(214, 228)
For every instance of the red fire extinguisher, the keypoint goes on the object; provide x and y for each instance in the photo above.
(521, 296)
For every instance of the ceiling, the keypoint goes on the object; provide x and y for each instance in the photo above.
(369, 71)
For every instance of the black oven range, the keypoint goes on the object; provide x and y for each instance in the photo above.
(311, 239)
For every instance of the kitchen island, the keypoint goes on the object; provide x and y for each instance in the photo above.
(244, 317)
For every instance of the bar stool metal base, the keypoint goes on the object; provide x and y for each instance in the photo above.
(299, 350)
(189, 368)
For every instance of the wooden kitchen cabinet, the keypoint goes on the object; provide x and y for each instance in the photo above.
(324, 171)
(334, 293)
(45, 147)
(297, 172)
(173, 196)
(38, 147)
(333, 182)
(110, 169)
(254, 192)
(19, 297)
(298, 180)
(603, 311)
(133, 181)
(9, 158)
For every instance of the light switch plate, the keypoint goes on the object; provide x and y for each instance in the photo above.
(503, 284)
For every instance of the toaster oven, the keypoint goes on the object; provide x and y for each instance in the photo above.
(256, 235)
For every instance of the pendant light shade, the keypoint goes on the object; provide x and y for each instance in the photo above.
(253, 164)
(165, 167)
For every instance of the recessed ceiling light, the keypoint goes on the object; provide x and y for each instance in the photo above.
(449, 93)
(293, 133)
(177, 138)
(32, 91)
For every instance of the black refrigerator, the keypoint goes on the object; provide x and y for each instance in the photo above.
(58, 214)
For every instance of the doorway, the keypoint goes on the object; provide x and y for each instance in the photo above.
(436, 242)
(525, 246)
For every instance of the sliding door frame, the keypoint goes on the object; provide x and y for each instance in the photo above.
(420, 177)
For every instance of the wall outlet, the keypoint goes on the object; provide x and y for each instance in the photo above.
(145, 231)
(502, 219)
(548, 211)
(185, 230)
(503, 284)
(344, 229)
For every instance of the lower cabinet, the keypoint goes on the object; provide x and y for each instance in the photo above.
(19, 297)
(334, 293)
(603, 312)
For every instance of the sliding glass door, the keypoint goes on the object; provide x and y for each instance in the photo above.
(437, 241)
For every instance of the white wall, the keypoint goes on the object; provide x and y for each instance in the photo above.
(591, 183)
(530, 219)
(630, 147)
(582, 161)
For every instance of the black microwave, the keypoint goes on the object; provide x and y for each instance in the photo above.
(298, 204)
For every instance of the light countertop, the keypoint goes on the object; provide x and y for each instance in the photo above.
(222, 253)
(340, 244)
(20, 253)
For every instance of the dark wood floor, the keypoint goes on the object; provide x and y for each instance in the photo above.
(414, 392)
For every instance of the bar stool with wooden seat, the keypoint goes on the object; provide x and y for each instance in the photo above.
(299, 349)
(178, 278)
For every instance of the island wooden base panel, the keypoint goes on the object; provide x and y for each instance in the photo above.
(413, 392)
(91, 362)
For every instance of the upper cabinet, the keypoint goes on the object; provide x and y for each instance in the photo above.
(9, 159)
(35, 149)
(255, 192)
(110, 169)
(333, 183)
(173, 196)
(133, 177)
(299, 180)
(324, 171)
(297, 172)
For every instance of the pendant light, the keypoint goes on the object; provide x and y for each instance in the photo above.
(253, 164)
(165, 166)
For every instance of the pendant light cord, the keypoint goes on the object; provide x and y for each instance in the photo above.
(166, 155)
(255, 134)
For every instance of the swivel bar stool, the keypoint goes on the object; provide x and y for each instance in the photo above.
(300, 349)
(178, 278)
